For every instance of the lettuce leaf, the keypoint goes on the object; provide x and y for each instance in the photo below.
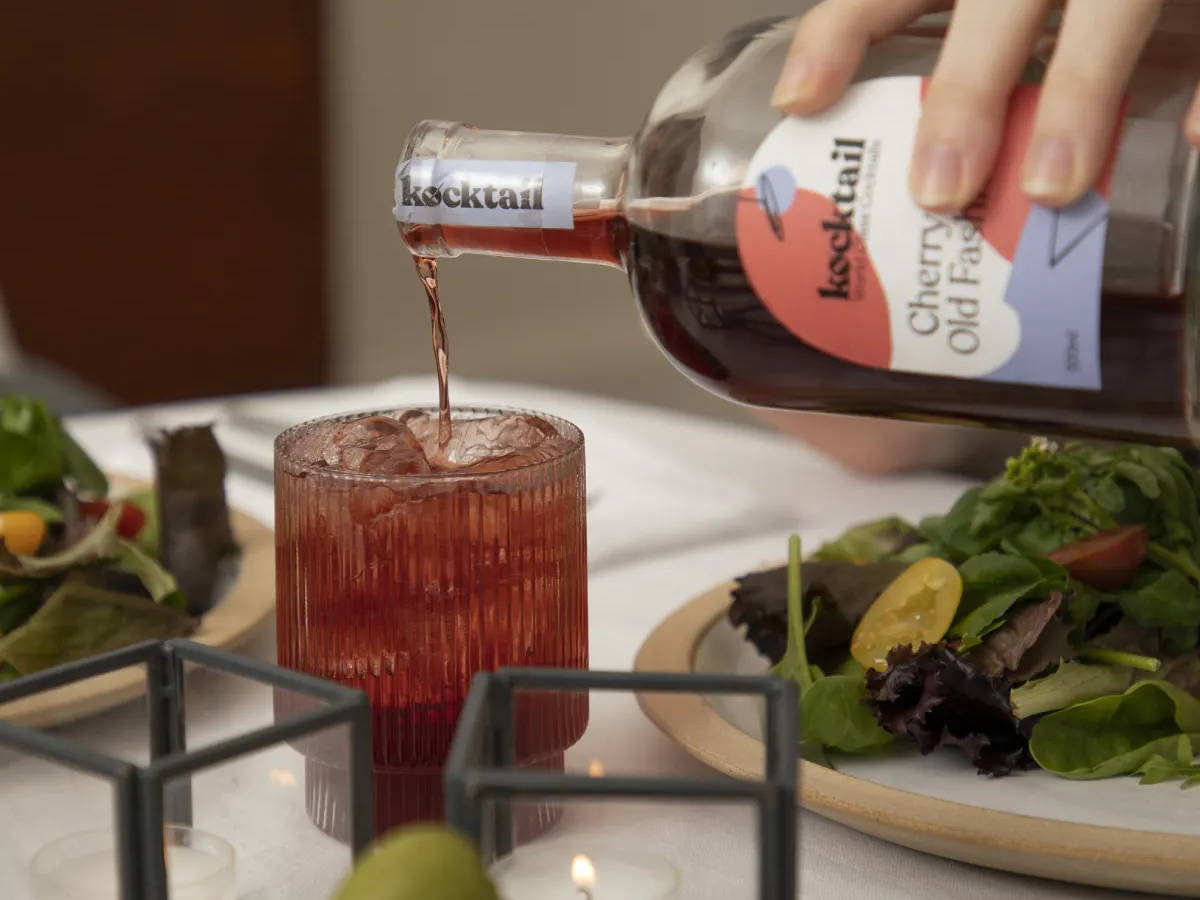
(98, 544)
(159, 583)
(870, 542)
(196, 539)
(1069, 684)
(80, 620)
(839, 591)
(935, 698)
(1117, 734)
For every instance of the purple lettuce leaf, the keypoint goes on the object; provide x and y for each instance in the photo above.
(936, 698)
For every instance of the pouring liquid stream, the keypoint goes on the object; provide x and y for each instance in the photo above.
(427, 272)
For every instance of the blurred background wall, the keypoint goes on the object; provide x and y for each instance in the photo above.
(197, 196)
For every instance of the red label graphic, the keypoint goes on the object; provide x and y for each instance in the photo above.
(841, 255)
(854, 327)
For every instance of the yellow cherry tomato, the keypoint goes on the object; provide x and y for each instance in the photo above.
(22, 531)
(918, 606)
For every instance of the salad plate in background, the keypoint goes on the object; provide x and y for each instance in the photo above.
(89, 564)
(1011, 684)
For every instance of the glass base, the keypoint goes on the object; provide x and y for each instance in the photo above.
(404, 796)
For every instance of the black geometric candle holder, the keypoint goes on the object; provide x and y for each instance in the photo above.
(140, 808)
(481, 769)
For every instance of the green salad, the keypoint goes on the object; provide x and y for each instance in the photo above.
(83, 572)
(1051, 618)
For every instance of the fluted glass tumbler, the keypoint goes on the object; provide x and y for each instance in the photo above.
(407, 585)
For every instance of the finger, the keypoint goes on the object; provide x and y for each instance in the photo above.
(1098, 46)
(1191, 122)
(962, 119)
(829, 45)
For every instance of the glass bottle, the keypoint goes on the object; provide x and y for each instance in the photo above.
(780, 263)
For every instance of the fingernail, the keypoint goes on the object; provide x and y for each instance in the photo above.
(1049, 166)
(793, 84)
(937, 174)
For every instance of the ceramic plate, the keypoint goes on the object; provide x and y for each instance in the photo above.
(249, 603)
(1113, 833)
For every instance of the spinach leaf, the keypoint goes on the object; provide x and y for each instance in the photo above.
(81, 469)
(926, 550)
(31, 451)
(1069, 684)
(36, 452)
(1179, 640)
(1049, 496)
(954, 530)
(870, 542)
(1179, 763)
(832, 710)
(81, 620)
(851, 666)
(18, 601)
(1162, 600)
(1083, 601)
(833, 713)
(992, 583)
(1114, 735)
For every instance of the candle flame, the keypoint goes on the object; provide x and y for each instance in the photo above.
(596, 769)
(282, 777)
(583, 873)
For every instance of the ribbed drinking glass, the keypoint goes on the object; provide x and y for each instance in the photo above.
(407, 585)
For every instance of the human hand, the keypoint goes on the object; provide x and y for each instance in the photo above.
(986, 47)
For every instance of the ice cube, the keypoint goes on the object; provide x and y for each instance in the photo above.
(486, 444)
(376, 445)
(308, 444)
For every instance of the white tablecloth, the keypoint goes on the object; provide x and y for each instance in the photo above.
(678, 504)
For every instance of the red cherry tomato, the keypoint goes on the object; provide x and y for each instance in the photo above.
(132, 519)
(1106, 561)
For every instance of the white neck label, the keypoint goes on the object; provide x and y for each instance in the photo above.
(487, 193)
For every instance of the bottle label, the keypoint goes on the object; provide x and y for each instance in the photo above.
(490, 193)
(841, 255)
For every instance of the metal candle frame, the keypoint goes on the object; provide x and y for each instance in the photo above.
(138, 791)
(482, 766)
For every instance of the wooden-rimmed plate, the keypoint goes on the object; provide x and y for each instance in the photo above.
(249, 603)
(1113, 833)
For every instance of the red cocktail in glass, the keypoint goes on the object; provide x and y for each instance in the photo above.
(404, 567)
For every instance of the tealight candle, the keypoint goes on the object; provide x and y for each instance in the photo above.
(83, 866)
(562, 871)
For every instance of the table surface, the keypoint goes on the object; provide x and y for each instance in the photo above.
(677, 504)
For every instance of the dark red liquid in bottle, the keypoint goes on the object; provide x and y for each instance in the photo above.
(701, 309)
(699, 306)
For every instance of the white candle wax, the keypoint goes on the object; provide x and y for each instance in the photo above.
(84, 867)
(543, 872)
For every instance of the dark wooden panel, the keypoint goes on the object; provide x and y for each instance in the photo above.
(161, 230)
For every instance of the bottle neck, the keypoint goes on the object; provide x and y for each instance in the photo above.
(461, 189)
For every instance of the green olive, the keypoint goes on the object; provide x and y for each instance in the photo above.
(419, 862)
